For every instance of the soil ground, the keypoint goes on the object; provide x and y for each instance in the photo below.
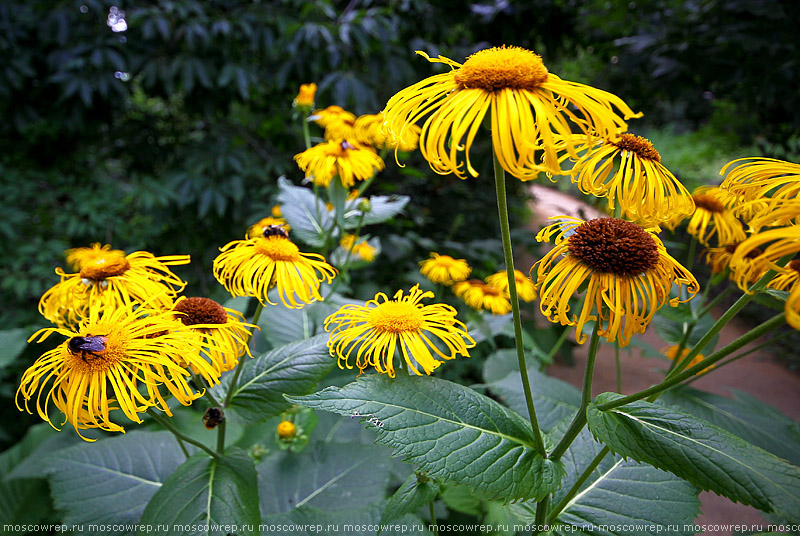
(758, 374)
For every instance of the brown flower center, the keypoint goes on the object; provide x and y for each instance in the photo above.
(794, 264)
(501, 68)
(105, 266)
(615, 246)
(201, 311)
(708, 203)
(638, 145)
(752, 254)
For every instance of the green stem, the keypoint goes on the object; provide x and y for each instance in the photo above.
(541, 515)
(505, 230)
(687, 332)
(180, 435)
(691, 255)
(652, 392)
(727, 291)
(557, 346)
(579, 420)
(182, 446)
(346, 265)
(576, 487)
(433, 518)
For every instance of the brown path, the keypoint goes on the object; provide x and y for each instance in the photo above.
(758, 374)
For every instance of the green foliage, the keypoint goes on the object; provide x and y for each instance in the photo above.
(488, 447)
(700, 452)
(417, 491)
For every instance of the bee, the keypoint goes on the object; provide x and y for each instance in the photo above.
(213, 418)
(87, 346)
(275, 230)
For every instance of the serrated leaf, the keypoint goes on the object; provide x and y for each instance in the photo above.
(209, 493)
(292, 369)
(450, 431)
(111, 481)
(306, 214)
(700, 452)
(326, 476)
(745, 416)
(410, 497)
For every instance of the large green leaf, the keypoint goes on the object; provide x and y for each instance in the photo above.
(325, 476)
(301, 209)
(110, 482)
(412, 495)
(208, 496)
(12, 342)
(449, 431)
(700, 452)
(293, 369)
(745, 416)
(357, 521)
(382, 208)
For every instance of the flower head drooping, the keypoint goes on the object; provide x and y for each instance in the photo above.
(369, 130)
(349, 160)
(761, 252)
(788, 279)
(376, 329)
(305, 97)
(747, 271)
(110, 279)
(482, 296)
(258, 228)
(360, 249)
(225, 332)
(713, 215)
(337, 122)
(444, 269)
(759, 178)
(627, 272)
(528, 106)
(115, 360)
(646, 191)
(252, 267)
(526, 290)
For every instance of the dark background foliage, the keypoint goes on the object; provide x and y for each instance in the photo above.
(164, 125)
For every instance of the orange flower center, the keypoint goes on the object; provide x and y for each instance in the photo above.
(278, 248)
(395, 317)
(502, 68)
(708, 203)
(637, 145)
(105, 266)
(612, 245)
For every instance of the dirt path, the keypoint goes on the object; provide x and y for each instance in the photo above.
(757, 374)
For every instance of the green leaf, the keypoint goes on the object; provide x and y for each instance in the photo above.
(448, 430)
(12, 342)
(669, 325)
(293, 369)
(111, 481)
(700, 452)
(357, 521)
(326, 476)
(382, 208)
(486, 326)
(461, 499)
(745, 416)
(300, 208)
(214, 494)
(412, 495)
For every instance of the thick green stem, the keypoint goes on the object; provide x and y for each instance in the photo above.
(691, 255)
(432, 510)
(576, 487)
(541, 515)
(652, 392)
(180, 435)
(505, 231)
(579, 420)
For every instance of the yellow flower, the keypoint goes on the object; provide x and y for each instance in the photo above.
(526, 290)
(444, 269)
(369, 130)
(337, 122)
(713, 215)
(262, 225)
(276, 211)
(362, 250)
(251, 267)
(305, 97)
(628, 170)
(225, 332)
(349, 160)
(479, 295)
(529, 106)
(759, 178)
(672, 351)
(115, 360)
(286, 430)
(781, 242)
(110, 279)
(788, 279)
(747, 271)
(378, 327)
(626, 270)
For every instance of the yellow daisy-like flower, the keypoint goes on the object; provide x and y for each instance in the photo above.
(479, 295)
(627, 272)
(444, 269)
(529, 107)
(110, 279)
(526, 290)
(672, 351)
(377, 328)
(263, 225)
(747, 271)
(338, 123)
(252, 267)
(778, 242)
(758, 178)
(628, 170)
(713, 215)
(361, 250)
(369, 130)
(349, 160)
(225, 332)
(305, 97)
(115, 360)
(788, 279)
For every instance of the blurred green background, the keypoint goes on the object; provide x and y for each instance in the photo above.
(164, 126)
